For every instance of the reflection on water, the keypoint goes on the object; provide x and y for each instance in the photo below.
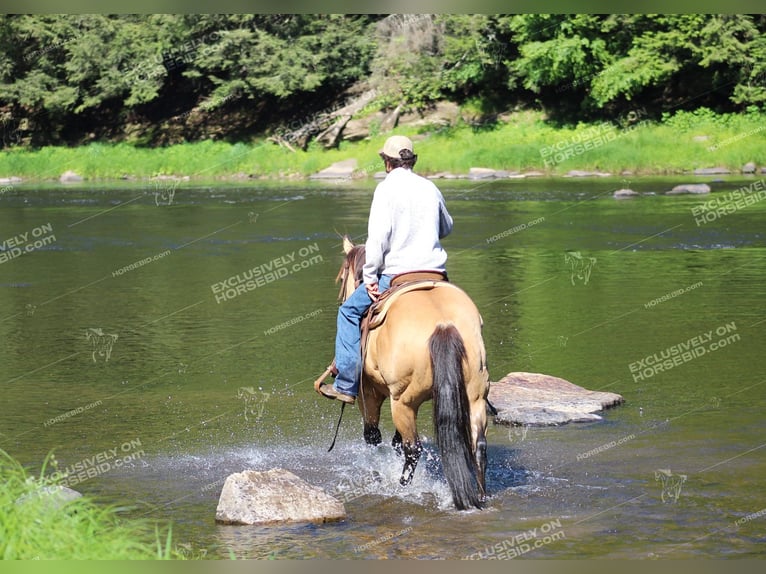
(113, 333)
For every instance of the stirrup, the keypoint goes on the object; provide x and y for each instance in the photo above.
(330, 370)
(328, 391)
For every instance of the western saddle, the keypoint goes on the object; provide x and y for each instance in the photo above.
(376, 314)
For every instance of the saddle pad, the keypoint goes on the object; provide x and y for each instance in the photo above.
(378, 314)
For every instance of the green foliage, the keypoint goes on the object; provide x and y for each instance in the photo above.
(683, 141)
(407, 63)
(281, 56)
(71, 69)
(659, 60)
(652, 59)
(555, 49)
(74, 78)
(34, 527)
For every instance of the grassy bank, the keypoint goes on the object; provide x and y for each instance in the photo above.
(525, 141)
(34, 528)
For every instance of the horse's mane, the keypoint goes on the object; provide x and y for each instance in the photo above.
(354, 258)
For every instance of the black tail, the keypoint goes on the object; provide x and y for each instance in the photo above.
(452, 421)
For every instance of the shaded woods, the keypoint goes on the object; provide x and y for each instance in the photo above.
(153, 79)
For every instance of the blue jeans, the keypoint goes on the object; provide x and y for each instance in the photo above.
(348, 355)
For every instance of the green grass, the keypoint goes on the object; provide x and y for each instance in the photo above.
(682, 142)
(32, 528)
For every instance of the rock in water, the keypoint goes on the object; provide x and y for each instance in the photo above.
(622, 193)
(712, 171)
(537, 399)
(580, 173)
(55, 496)
(481, 173)
(276, 495)
(689, 188)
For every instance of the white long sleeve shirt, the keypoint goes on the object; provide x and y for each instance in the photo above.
(408, 217)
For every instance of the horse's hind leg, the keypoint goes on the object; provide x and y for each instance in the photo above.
(404, 421)
(480, 451)
(479, 439)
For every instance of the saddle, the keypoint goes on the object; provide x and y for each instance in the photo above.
(376, 313)
(400, 284)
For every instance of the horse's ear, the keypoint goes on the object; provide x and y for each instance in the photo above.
(347, 245)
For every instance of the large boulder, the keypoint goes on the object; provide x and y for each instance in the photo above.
(359, 128)
(535, 399)
(440, 115)
(273, 496)
(694, 188)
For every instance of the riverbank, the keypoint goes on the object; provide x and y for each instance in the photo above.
(520, 144)
(40, 522)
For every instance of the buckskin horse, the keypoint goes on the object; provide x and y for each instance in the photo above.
(428, 346)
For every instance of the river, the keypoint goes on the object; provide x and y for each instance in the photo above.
(137, 344)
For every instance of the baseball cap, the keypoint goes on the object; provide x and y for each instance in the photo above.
(395, 144)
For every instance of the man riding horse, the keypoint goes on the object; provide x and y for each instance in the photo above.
(425, 341)
(407, 219)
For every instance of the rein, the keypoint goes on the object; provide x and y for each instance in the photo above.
(337, 427)
(356, 255)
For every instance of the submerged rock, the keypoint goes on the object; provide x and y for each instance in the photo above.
(54, 496)
(695, 188)
(276, 495)
(536, 399)
(622, 193)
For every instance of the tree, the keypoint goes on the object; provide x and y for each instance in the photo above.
(595, 64)
(65, 78)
